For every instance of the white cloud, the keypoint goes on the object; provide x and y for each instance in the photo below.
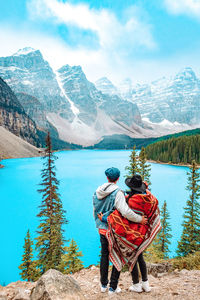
(110, 30)
(95, 64)
(187, 7)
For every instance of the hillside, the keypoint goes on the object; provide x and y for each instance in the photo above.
(14, 118)
(12, 146)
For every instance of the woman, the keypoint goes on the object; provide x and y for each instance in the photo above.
(137, 187)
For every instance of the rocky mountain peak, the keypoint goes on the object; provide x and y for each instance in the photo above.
(31, 60)
(106, 86)
(75, 72)
(25, 51)
(186, 73)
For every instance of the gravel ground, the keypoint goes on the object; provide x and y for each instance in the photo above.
(177, 285)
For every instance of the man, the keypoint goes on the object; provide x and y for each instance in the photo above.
(106, 199)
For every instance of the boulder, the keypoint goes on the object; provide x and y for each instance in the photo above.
(159, 268)
(23, 295)
(53, 285)
(3, 296)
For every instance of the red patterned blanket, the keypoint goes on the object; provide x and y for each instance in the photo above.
(127, 239)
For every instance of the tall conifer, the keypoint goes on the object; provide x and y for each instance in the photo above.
(190, 238)
(133, 163)
(164, 236)
(50, 240)
(28, 267)
(143, 167)
(71, 262)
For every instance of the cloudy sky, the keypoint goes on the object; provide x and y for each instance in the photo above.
(143, 40)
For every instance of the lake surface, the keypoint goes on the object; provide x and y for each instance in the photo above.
(79, 173)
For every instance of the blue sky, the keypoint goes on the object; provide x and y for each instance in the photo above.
(143, 40)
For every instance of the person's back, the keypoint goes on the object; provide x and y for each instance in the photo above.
(104, 202)
(106, 199)
(127, 240)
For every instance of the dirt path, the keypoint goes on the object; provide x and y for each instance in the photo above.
(177, 285)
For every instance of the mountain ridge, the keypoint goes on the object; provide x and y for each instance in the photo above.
(82, 113)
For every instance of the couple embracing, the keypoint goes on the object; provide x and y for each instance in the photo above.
(127, 225)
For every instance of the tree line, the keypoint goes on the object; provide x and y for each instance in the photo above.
(182, 149)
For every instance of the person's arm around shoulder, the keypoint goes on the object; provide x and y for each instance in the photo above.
(124, 209)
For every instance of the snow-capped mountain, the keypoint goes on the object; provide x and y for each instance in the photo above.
(27, 72)
(166, 103)
(74, 106)
(96, 114)
(106, 86)
(176, 99)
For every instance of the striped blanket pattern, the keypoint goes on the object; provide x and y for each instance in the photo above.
(127, 239)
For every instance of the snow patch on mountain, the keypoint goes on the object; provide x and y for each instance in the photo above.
(166, 127)
(106, 86)
(24, 51)
(74, 109)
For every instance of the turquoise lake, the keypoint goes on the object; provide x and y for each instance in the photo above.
(79, 173)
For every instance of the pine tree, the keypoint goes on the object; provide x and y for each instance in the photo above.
(190, 238)
(50, 240)
(71, 262)
(133, 163)
(164, 236)
(143, 167)
(28, 267)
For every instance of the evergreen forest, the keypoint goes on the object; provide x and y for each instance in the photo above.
(180, 150)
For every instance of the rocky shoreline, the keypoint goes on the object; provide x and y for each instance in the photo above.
(84, 285)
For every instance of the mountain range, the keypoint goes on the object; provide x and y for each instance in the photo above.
(78, 111)
(175, 100)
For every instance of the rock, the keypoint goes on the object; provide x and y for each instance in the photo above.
(53, 285)
(154, 269)
(3, 296)
(93, 267)
(184, 271)
(23, 295)
(159, 275)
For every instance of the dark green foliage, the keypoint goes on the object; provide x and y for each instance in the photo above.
(183, 149)
(71, 262)
(182, 133)
(164, 236)
(190, 239)
(28, 267)
(133, 163)
(143, 167)
(50, 240)
(121, 141)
